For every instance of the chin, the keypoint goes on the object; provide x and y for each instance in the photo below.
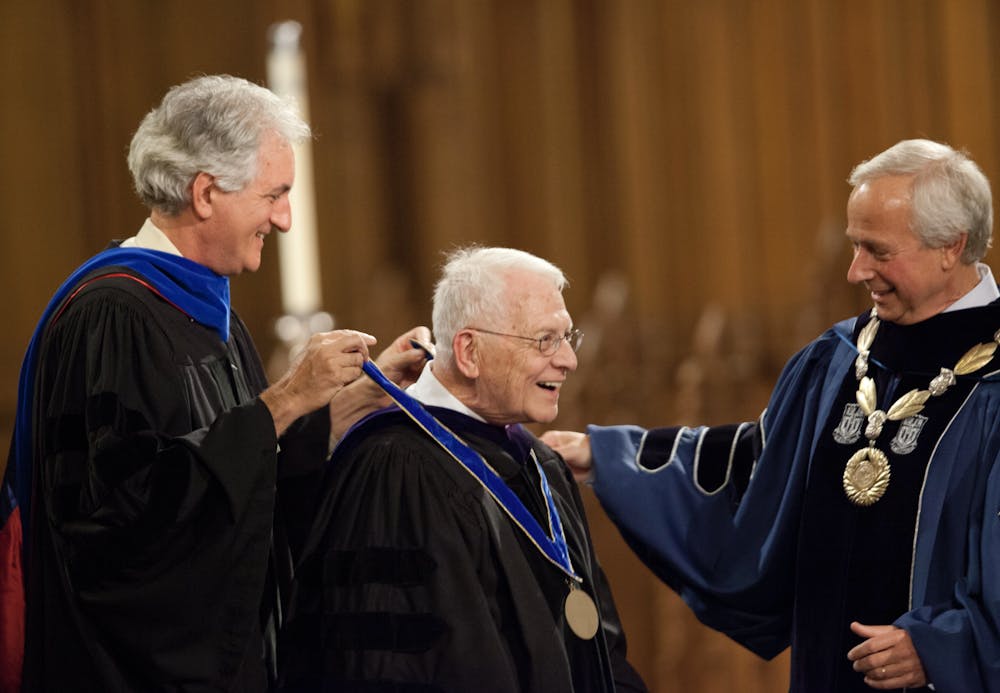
(544, 418)
(886, 313)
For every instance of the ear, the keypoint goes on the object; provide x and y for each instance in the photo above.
(201, 194)
(466, 353)
(951, 255)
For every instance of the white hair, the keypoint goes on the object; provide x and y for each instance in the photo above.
(472, 287)
(949, 194)
(213, 124)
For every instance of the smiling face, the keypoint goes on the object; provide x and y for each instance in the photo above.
(908, 281)
(516, 383)
(241, 220)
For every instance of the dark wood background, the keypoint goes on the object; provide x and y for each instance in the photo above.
(684, 162)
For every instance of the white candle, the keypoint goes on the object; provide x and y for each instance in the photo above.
(298, 250)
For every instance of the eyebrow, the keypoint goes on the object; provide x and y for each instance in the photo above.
(861, 238)
(554, 330)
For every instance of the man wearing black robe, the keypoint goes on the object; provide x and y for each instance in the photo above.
(416, 576)
(148, 445)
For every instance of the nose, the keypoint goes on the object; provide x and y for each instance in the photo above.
(281, 214)
(860, 270)
(565, 357)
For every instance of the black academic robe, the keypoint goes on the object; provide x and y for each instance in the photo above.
(150, 561)
(414, 579)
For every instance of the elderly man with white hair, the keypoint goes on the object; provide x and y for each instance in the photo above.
(451, 551)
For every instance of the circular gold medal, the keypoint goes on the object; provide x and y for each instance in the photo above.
(866, 476)
(581, 614)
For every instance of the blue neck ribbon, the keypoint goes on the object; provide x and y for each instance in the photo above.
(552, 544)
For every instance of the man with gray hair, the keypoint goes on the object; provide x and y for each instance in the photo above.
(451, 551)
(148, 444)
(857, 519)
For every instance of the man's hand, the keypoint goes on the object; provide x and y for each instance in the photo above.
(328, 362)
(574, 448)
(401, 363)
(887, 658)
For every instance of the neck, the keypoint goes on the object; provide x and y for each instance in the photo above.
(462, 388)
(182, 230)
(964, 280)
(454, 382)
(971, 276)
(959, 282)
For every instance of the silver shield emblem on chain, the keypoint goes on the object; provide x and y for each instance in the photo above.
(908, 434)
(848, 431)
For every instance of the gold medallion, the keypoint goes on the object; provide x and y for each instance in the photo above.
(866, 476)
(581, 613)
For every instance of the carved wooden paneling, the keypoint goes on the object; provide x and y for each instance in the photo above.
(675, 158)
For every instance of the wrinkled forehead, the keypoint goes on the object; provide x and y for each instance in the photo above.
(533, 302)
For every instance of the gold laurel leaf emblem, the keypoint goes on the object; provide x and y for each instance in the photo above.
(909, 404)
(865, 395)
(867, 335)
(975, 358)
(866, 476)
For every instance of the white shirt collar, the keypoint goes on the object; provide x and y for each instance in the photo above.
(429, 390)
(984, 292)
(151, 238)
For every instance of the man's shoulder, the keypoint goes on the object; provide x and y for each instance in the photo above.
(389, 457)
(386, 427)
(389, 435)
(840, 335)
(111, 283)
(399, 447)
(123, 296)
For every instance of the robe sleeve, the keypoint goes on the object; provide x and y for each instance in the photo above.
(304, 449)
(959, 641)
(714, 511)
(158, 494)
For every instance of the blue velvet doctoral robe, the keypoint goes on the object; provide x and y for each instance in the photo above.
(749, 523)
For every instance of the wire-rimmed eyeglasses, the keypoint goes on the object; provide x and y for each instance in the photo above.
(547, 344)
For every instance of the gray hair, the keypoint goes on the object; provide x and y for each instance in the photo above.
(949, 194)
(213, 124)
(473, 286)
